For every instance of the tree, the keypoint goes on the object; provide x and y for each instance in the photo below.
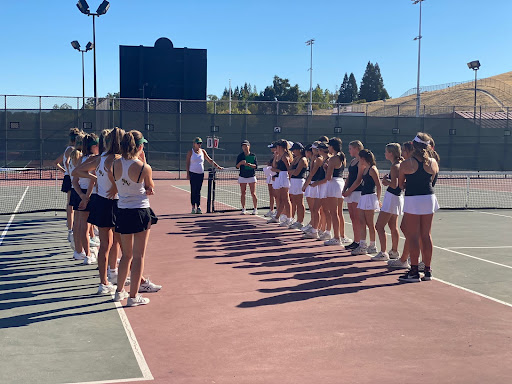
(352, 88)
(372, 84)
(383, 94)
(343, 96)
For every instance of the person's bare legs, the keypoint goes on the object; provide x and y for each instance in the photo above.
(298, 202)
(83, 231)
(69, 213)
(362, 228)
(285, 202)
(76, 232)
(341, 219)
(331, 206)
(315, 213)
(426, 239)
(380, 226)
(412, 235)
(106, 238)
(140, 241)
(252, 187)
(114, 251)
(395, 235)
(242, 194)
(293, 201)
(355, 218)
(368, 215)
(271, 196)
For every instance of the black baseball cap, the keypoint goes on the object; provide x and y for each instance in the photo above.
(272, 145)
(245, 142)
(297, 145)
(322, 145)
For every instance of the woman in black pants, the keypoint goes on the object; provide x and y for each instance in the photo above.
(195, 172)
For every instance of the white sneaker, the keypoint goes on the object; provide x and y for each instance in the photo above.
(306, 228)
(255, 211)
(104, 289)
(272, 220)
(394, 254)
(94, 243)
(296, 225)
(333, 241)
(372, 249)
(285, 222)
(397, 264)
(79, 256)
(70, 236)
(96, 231)
(381, 256)
(326, 235)
(243, 211)
(346, 240)
(137, 300)
(360, 250)
(89, 260)
(311, 235)
(269, 213)
(148, 286)
(120, 295)
(112, 277)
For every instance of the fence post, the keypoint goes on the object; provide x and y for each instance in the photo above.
(210, 191)
(41, 145)
(467, 190)
(78, 112)
(179, 140)
(5, 113)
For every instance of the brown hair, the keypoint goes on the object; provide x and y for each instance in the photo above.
(356, 144)
(114, 138)
(407, 147)
(104, 143)
(368, 156)
(425, 151)
(77, 152)
(323, 139)
(73, 134)
(395, 150)
(128, 144)
(90, 140)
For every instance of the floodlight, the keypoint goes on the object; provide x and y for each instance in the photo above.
(83, 7)
(103, 8)
(75, 44)
(89, 46)
(475, 65)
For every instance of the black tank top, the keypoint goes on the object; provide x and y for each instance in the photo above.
(368, 184)
(419, 183)
(301, 173)
(319, 174)
(281, 166)
(394, 191)
(338, 172)
(352, 176)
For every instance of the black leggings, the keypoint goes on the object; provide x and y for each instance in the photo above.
(196, 182)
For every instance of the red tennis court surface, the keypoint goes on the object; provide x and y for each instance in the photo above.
(244, 302)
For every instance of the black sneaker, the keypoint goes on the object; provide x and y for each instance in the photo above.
(410, 277)
(354, 245)
(427, 276)
(198, 211)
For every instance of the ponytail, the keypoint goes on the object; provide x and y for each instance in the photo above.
(114, 138)
(73, 134)
(128, 147)
(104, 144)
(395, 150)
(90, 140)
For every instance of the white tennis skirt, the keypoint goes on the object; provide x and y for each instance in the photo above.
(281, 181)
(310, 192)
(421, 204)
(369, 202)
(296, 186)
(322, 191)
(246, 180)
(335, 187)
(267, 171)
(353, 198)
(393, 204)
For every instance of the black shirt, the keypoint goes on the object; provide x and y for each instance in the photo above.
(419, 183)
(301, 173)
(352, 176)
(246, 171)
(368, 184)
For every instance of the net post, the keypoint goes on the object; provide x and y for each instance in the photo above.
(210, 191)
(468, 180)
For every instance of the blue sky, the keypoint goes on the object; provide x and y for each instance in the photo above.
(253, 41)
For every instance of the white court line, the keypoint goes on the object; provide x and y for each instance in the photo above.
(497, 247)
(494, 214)
(4, 233)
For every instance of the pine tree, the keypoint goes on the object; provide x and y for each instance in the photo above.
(366, 89)
(381, 91)
(352, 88)
(343, 97)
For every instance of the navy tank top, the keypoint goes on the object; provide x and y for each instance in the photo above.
(319, 174)
(352, 177)
(394, 191)
(368, 184)
(419, 183)
(281, 166)
(301, 173)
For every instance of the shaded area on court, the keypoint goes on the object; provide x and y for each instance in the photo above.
(54, 327)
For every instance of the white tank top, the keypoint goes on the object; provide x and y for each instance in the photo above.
(131, 194)
(64, 160)
(197, 162)
(71, 169)
(103, 182)
(84, 182)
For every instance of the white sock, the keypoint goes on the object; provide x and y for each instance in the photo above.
(362, 243)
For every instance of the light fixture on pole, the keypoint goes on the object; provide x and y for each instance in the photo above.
(102, 9)
(475, 66)
(418, 96)
(76, 45)
(310, 43)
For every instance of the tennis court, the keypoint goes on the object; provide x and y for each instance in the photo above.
(247, 302)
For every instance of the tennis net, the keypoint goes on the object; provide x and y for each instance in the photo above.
(454, 190)
(27, 190)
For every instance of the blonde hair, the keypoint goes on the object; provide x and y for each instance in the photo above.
(129, 144)
(104, 143)
(425, 151)
(395, 150)
(76, 153)
(356, 144)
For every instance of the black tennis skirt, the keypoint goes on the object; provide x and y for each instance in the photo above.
(74, 200)
(103, 212)
(134, 220)
(66, 184)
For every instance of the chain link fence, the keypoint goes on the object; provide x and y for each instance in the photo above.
(34, 129)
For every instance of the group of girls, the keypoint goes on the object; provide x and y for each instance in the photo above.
(323, 188)
(414, 169)
(108, 182)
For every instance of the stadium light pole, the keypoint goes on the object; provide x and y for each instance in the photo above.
(76, 45)
(475, 66)
(102, 9)
(310, 42)
(418, 96)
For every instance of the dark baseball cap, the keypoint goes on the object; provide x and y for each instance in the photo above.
(272, 145)
(245, 142)
(297, 145)
(198, 140)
